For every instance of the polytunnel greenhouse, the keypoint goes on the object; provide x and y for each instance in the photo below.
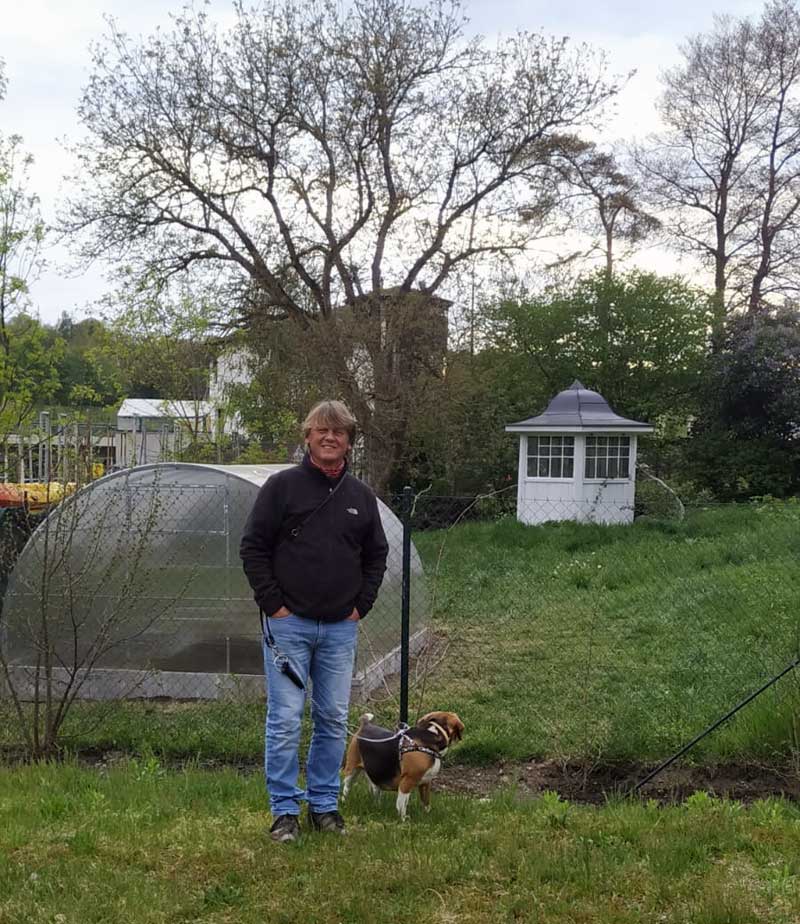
(135, 587)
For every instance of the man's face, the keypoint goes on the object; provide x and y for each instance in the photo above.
(327, 445)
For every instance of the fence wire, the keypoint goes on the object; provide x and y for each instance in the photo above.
(569, 629)
(592, 635)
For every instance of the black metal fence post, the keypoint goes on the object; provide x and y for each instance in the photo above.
(406, 604)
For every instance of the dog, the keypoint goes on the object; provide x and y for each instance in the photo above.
(401, 761)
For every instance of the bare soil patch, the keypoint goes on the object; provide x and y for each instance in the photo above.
(595, 783)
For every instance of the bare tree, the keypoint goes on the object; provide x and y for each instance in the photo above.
(80, 597)
(777, 184)
(727, 171)
(605, 199)
(331, 159)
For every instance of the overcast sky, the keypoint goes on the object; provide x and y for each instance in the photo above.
(45, 42)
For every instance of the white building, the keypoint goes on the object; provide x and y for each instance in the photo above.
(151, 430)
(577, 461)
(232, 368)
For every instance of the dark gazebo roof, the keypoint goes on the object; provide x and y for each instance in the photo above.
(578, 408)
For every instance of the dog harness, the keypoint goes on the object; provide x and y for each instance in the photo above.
(411, 745)
(405, 748)
(381, 756)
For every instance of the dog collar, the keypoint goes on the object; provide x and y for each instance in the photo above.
(442, 732)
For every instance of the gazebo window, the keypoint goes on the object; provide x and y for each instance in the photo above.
(551, 456)
(608, 456)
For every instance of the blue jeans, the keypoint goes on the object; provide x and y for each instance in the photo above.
(323, 652)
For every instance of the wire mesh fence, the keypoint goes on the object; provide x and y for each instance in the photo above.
(589, 636)
(132, 588)
(572, 629)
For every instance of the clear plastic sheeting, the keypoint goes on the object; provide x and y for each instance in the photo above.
(134, 587)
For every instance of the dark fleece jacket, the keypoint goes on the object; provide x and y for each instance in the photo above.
(337, 560)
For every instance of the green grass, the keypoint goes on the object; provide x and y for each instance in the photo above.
(562, 640)
(618, 642)
(140, 845)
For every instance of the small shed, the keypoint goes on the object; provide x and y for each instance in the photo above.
(154, 413)
(577, 460)
(138, 575)
(151, 430)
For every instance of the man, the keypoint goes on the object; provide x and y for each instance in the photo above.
(314, 552)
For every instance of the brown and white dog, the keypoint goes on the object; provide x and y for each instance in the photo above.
(401, 761)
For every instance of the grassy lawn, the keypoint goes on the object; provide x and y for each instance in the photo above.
(562, 640)
(618, 642)
(137, 844)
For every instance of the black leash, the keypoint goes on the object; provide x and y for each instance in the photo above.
(296, 530)
(280, 660)
(284, 665)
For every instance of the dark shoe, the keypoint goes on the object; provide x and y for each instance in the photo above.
(327, 821)
(285, 829)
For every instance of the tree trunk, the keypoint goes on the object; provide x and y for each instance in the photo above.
(718, 307)
(391, 346)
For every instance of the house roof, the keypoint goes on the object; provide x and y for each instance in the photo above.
(164, 407)
(578, 408)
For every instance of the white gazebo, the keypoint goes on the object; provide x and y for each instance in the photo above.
(577, 460)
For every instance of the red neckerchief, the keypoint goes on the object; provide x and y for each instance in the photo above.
(332, 472)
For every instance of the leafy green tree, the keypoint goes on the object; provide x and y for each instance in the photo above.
(88, 371)
(457, 441)
(637, 338)
(640, 339)
(28, 372)
(162, 345)
(288, 373)
(21, 232)
(746, 439)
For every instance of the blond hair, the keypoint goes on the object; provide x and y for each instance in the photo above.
(334, 414)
